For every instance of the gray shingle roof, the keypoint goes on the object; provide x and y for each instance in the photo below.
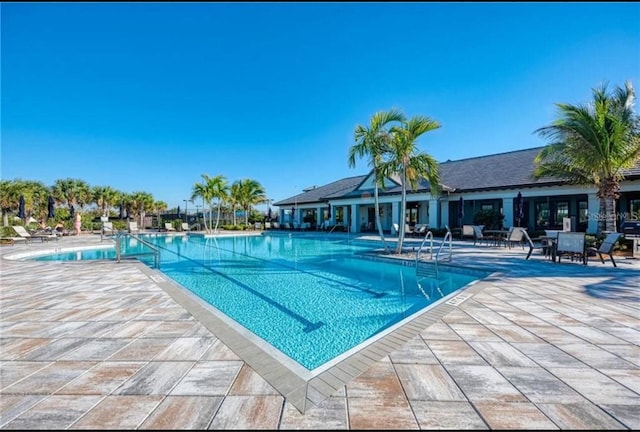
(497, 171)
(322, 193)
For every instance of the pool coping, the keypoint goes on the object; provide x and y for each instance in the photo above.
(298, 386)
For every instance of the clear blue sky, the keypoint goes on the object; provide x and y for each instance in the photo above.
(150, 96)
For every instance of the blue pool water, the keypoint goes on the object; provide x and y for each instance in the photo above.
(311, 298)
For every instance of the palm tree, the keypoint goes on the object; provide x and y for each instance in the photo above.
(411, 164)
(373, 141)
(36, 199)
(159, 206)
(71, 191)
(9, 195)
(593, 144)
(251, 193)
(235, 197)
(218, 189)
(200, 191)
(104, 197)
(142, 202)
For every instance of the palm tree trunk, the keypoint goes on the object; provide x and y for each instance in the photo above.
(610, 208)
(378, 223)
(218, 215)
(211, 216)
(403, 209)
(204, 218)
(233, 210)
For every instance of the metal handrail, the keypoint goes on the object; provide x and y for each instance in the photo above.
(448, 236)
(155, 250)
(428, 236)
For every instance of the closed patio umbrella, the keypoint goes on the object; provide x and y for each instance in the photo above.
(269, 213)
(72, 211)
(121, 215)
(519, 208)
(21, 213)
(293, 211)
(461, 209)
(51, 210)
(329, 210)
(178, 213)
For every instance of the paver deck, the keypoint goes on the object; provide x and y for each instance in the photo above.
(115, 345)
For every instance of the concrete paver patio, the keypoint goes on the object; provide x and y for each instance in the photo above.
(104, 345)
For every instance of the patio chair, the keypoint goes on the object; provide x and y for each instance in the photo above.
(468, 232)
(408, 230)
(606, 248)
(168, 226)
(516, 235)
(532, 246)
(23, 233)
(133, 227)
(420, 230)
(478, 235)
(571, 244)
(185, 227)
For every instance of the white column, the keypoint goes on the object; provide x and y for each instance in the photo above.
(507, 211)
(433, 214)
(593, 212)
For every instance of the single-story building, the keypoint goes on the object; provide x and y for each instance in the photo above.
(490, 182)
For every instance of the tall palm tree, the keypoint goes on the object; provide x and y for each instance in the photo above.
(9, 195)
(410, 163)
(200, 191)
(218, 189)
(374, 141)
(593, 144)
(235, 197)
(251, 193)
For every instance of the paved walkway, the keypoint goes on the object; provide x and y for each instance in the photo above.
(104, 345)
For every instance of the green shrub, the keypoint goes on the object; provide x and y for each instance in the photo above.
(491, 219)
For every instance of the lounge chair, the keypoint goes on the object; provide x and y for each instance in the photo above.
(276, 225)
(571, 244)
(185, 227)
(168, 226)
(133, 228)
(396, 228)
(107, 228)
(12, 240)
(606, 248)
(408, 230)
(23, 233)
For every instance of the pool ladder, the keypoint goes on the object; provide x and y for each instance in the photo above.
(430, 269)
(154, 250)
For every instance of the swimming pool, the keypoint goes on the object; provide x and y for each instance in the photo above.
(312, 298)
